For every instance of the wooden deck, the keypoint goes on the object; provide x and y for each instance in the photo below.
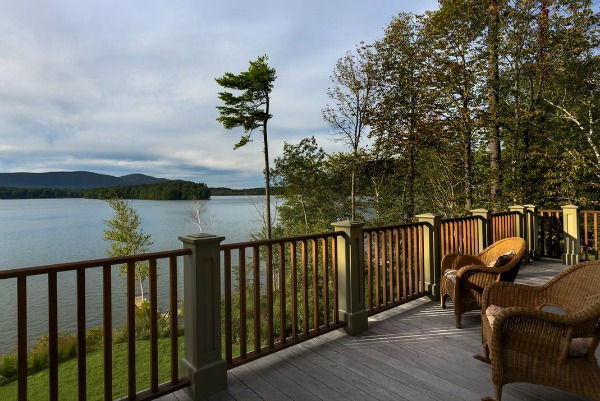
(412, 352)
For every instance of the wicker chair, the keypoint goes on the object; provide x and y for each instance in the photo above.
(472, 274)
(545, 334)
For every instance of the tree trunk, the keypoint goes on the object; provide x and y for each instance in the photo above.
(410, 205)
(353, 194)
(267, 173)
(142, 289)
(468, 172)
(493, 96)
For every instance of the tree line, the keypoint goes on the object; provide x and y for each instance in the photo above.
(476, 104)
(169, 190)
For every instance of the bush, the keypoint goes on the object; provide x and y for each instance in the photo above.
(94, 338)
(8, 368)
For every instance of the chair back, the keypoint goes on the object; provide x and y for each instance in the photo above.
(509, 271)
(577, 291)
(577, 287)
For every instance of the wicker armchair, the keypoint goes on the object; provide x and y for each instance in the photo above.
(545, 334)
(464, 276)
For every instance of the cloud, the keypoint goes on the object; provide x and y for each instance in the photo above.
(128, 87)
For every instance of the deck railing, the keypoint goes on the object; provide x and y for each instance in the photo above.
(255, 298)
(505, 225)
(278, 293)
(460, 235)
(551, 234)
(589, 237)
(394, 265)
(107, 265)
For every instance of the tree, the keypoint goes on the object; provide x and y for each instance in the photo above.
(311, 198)
(351, 93)
(401, 103)
(250, 110)
(126, 238)
(197, 215)
(455, 35)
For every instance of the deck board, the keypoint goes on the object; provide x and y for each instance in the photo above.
(412, 352)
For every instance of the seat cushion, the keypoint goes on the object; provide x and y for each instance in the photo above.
(502, 259)
(578, 346)
(450, 274)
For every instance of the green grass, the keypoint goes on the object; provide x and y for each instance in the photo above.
(37, 384)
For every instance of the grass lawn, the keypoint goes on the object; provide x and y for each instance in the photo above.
(37, 384)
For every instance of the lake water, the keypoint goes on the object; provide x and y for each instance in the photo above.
(46, 231)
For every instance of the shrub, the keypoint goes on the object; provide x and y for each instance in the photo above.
(94, 337)
(8, 368)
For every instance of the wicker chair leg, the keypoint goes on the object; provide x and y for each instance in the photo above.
(443, 301)
(457, 319)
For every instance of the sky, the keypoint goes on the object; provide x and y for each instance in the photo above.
(124, 87)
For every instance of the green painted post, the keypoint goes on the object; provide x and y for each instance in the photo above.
(432, 253)
(484, 228)
(571, 256)
(202, 362)
(351, 276)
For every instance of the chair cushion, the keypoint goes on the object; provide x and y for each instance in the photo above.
(578, 346)
(502, 259)
(450, 274)
(491, 312)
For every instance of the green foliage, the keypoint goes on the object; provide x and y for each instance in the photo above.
(305, 290)
(38, 357)
(40, 193)
(248, 110)
(309, 188)
(37, 383)
(239, 192)
(169, 190)
(126, 238)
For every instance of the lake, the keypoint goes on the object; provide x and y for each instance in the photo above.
(46, 231)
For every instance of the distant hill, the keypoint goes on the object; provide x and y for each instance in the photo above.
(73, 179)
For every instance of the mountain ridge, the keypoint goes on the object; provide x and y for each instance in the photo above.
(74, 179)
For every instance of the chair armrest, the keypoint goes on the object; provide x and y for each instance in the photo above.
(533, 331)
(507, 294)
(477, 268)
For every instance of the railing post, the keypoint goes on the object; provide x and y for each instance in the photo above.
(351, 276)
(431, 252)
(484, 227)
(571, 256)
(521, 226)
(531, 221)
(202, 362)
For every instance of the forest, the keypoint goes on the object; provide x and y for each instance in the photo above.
(169, 190)
(479, 104)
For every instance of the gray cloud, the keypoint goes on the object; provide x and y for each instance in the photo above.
(121, 87)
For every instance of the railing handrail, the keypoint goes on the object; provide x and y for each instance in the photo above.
(466, 218)
(86, 264)
(274, 241)
(499, 214)
(393, 226)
